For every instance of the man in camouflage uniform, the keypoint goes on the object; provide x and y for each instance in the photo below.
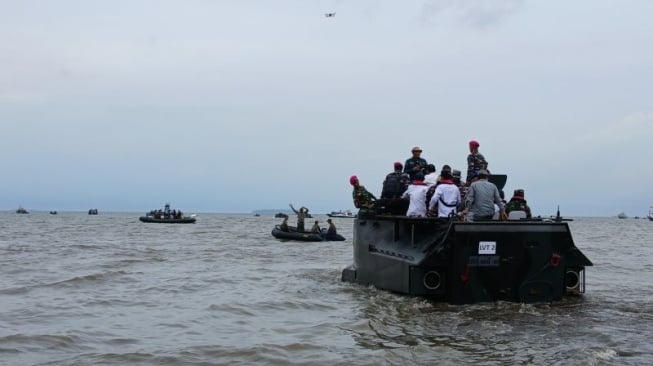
(518, 203)
(475, 161)
(301, 215)
(363, 199)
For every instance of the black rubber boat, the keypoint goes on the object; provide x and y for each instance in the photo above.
(167, 216)
(293, 234)
(183, 220)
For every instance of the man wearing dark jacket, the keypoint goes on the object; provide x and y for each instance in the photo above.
(395, 183)
(415, 164)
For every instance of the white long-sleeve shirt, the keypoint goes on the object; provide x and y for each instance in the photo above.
(417, 195)
(447, 193)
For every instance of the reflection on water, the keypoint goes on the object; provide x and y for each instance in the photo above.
(107, 289)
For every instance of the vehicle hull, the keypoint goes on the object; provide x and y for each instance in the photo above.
(467, 262)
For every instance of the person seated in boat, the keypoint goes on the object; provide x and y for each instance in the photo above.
(518, 203)
(331, 233)
(316, 228)
(332, 228)
(284, 225)
(363, 199)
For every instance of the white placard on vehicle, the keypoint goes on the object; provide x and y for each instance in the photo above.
(487, 247)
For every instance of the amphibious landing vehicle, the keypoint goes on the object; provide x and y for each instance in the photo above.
(460, 262)
(467, 262)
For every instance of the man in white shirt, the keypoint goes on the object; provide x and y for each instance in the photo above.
(417, 193)
(430, 178)
(446, 196)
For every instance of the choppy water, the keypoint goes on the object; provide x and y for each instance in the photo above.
(109, 290)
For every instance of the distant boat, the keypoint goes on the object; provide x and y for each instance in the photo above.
(92, 211)
(21, 210)
(345, 214)
(650, 213)
(280, 215)
(622, 216)
(53, 212)
(167, 216)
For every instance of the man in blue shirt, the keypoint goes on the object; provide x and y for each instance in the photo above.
(415, 164)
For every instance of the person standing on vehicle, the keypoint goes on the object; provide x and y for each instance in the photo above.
(416, 192)
(475, 161)
(363, 199)
(415, 164)
(446, 196)
(395, 183)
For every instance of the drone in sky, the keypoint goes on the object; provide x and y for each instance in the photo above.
(330, 15)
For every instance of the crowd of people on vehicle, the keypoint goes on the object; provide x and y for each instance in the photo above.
(415, 189)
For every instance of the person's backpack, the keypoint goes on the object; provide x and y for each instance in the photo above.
(392, 186)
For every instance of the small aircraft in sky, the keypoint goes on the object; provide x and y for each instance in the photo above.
(330, 15)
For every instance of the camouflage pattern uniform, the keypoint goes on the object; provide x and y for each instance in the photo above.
(362, 197)
(364, 201)
(301, 215)
(517, 203)
(475, 162)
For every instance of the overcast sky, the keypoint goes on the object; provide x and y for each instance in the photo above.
(233, 106)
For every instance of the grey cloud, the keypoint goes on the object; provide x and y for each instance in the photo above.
(474, 13)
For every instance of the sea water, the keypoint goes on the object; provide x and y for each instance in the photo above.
(109, 290)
